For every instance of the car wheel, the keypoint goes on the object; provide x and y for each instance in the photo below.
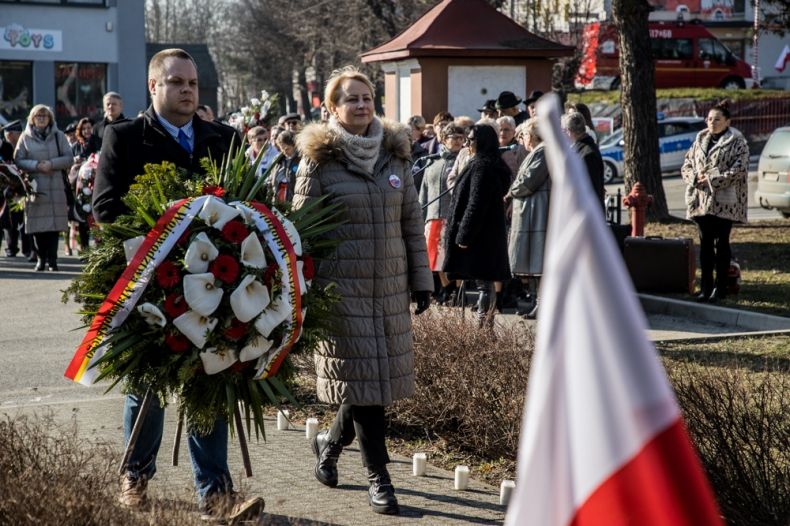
(733, 83)
(609, 172)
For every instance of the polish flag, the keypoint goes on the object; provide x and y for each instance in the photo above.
(784, 58)
(602, 440)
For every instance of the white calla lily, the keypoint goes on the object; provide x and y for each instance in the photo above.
(249, 298)
(272, 317)
(130, 247)
(216, 213)
(201, 294)
(245, 213)
(215, 361)
(152, 315)
(195, 327)
(256, 348)
(252, 252)
(200, 253)
(290, 229)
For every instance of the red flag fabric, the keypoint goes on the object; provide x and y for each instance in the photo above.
(602, 440)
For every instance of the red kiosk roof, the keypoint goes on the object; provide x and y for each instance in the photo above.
(465, 28)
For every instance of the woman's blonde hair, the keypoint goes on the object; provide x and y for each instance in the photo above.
(332, 90)
(36, 110)
(529, 127)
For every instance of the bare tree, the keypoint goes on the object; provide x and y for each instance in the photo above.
(638, 102)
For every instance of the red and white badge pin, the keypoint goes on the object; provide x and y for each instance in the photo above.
(395, 181)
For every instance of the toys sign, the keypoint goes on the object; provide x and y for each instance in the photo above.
(19, 38)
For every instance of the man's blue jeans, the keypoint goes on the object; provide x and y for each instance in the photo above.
(209, 453)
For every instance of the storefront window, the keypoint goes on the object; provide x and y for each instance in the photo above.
(79, 88)
(16, 80)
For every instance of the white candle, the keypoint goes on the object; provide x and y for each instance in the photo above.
(282, 420)
(419, 462)
(461, 477)
(505, 490)
(311, 428)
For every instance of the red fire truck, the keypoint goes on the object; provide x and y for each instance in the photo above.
(684, 55)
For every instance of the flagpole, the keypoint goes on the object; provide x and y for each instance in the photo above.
(138, 427)
(756, 44)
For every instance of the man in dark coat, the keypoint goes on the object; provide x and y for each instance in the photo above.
(112, 103)
(130, 145)
(168, 131)
(576, 128)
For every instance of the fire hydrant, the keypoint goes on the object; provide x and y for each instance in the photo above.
(638, 201)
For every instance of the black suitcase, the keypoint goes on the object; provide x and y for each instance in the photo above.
(661, 265)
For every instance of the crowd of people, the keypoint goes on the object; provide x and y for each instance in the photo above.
(430, 209)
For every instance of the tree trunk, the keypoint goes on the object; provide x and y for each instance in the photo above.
(638, 102)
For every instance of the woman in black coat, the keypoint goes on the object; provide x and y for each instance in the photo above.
(476, 240)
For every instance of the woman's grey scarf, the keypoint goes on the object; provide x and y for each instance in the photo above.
(361, 151)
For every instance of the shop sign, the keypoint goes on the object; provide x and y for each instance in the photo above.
(19, 38)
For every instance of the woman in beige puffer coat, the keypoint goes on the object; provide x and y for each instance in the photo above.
(45, 154)
(715, 171)
(363, 163)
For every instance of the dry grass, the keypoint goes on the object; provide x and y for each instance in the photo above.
(762, 250)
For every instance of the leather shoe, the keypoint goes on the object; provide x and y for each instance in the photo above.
(533, 314)
(53, 267)
(701, 297)
(40, 265)
(326, 454)
(717, 295)
(381, 494)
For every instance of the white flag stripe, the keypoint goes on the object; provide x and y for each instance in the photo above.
(784, 56)
(597, 392)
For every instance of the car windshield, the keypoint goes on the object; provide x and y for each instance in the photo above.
(612, 139)
(778, 144)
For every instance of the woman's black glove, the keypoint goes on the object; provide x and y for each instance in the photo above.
(423, 300)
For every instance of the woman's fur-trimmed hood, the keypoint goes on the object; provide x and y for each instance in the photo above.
(319, 144)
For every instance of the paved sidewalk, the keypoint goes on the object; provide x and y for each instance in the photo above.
(282, 474)
(37, 339)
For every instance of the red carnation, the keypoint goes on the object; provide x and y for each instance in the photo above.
(236, 331)
(225, 268)
(235, 231)
(177, 342)
(167, 275)
(175, 305)
(268, 274)
(212, 189)
(308, 267)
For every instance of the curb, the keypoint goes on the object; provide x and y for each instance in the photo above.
(748, 321)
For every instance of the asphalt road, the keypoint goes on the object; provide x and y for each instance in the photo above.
(674, 188)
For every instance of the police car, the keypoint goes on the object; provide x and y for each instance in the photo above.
(675, 137)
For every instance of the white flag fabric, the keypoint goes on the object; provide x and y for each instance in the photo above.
(784, 58)
(602, 441)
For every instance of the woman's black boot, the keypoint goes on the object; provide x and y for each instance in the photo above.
(381, 494)
(326, 454)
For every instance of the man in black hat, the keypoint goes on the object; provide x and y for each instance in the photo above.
(531, 101)
(507, 104)
(12, 222)
(8, 140)
(71, 133)
(488, 111)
